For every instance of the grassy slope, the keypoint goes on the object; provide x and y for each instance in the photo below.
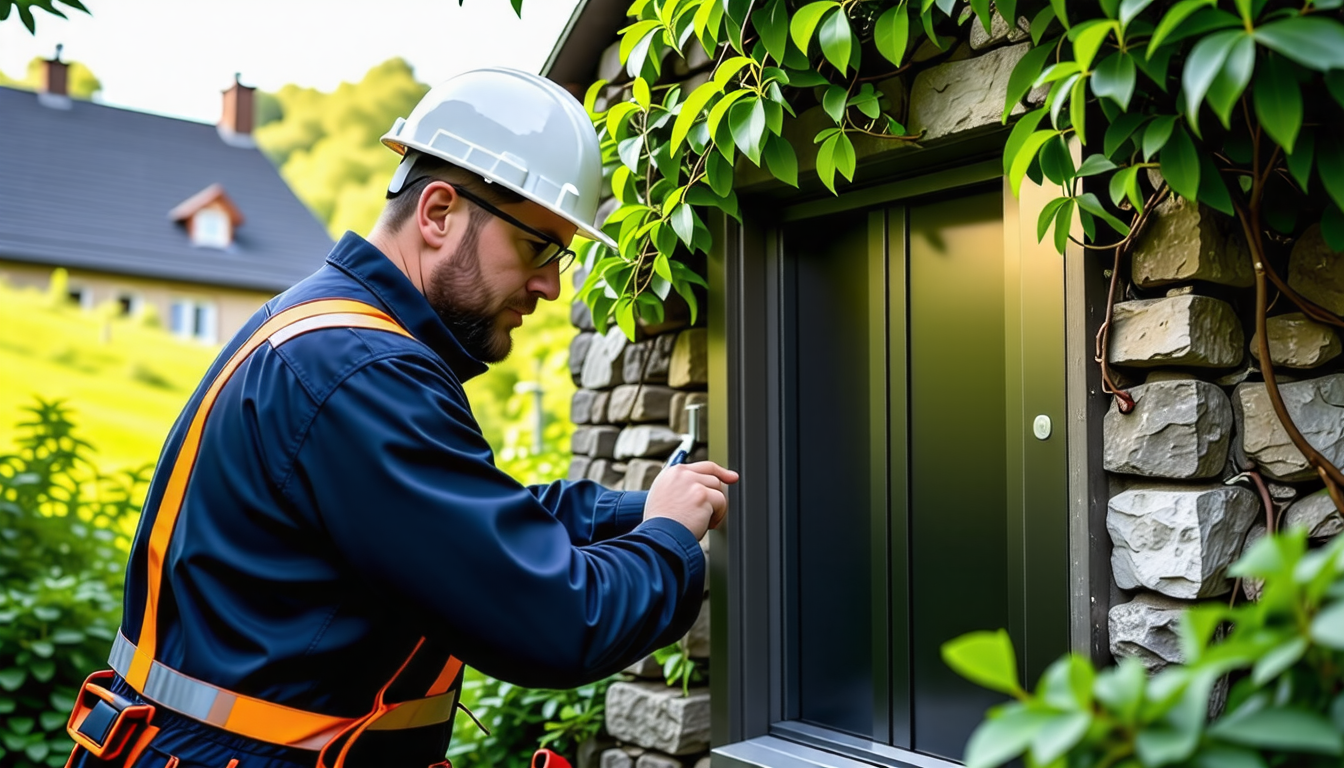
(125, 392)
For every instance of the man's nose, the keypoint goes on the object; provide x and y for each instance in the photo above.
(546, 281)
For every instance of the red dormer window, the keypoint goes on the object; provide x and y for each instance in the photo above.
(209, 216)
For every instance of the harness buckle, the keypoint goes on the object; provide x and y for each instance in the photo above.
(105, 723)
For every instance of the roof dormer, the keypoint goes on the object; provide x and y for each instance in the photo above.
(209, 216)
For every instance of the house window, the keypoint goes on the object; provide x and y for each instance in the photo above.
(193, 319)
(210, 228)
(82, 296)
(128, 304)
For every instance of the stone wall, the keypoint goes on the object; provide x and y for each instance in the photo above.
(1181, 509)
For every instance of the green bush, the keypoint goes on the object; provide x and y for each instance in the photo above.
(1283, 657)
(519, 720)
(63, 545)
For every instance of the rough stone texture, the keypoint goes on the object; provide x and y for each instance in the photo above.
(578, 467)
(617, 758)
(1252, 587)
(607, 473)
(1316, 271)
(689, 366)
(656, 760)
(598, 415)
(1316, 406)
(676, 314)
(1145, 629)
(999, 31)
(651, 358)
(1178, 542)
(646, 668)
(581, 406)
(598, 442)
(697, 639)
(1191, 330)
(640, 403)
(958, 96)
(1188, 241)
(1317, 514)
(581, 316)
(578, 352)
(657, 717)
(604, 366)
(680, 419)
(1178, 429)
(640, 474)
(646, 441)
(1296, 341)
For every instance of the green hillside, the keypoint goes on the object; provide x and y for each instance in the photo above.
(124, 381)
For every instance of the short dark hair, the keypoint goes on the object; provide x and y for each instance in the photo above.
(428, 169)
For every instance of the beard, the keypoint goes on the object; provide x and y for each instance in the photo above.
(459, 296)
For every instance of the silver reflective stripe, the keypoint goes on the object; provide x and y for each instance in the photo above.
(298, 327)
(171, 688)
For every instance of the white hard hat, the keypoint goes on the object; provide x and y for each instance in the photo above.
(515, 129)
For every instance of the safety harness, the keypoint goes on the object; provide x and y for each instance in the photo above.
(110, 727)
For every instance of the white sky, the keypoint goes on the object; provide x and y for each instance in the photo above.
(175, 56)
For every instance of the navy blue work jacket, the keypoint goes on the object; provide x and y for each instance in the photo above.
(345, 503)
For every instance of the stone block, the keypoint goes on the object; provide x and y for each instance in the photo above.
(999, 32)
(640, 403)
(646, 441)
(578, 352)
(1316, 406)
(604, 366)
(648, 361)
(676, 315)
(1178, 429)
(581, 317)
(617, 758)
(578, 467)
(958, 96)
(646, 668)
(1176, 541)
(657, 760)
(607, 473)
(1316, 513)
(703, 762)
(1189, 241)
(1316, 270)
(697, 639)
(598, 415)
(680, 419)
(1197, 331)
(1297, 341)
(689, 366)
(581, 406)
(598, 442)
(640, 474)
(657, 717)
(1252, 587)
(1145, 629)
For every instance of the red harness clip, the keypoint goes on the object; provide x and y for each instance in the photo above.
(545, 758)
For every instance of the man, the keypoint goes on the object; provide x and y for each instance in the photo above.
(327, 540)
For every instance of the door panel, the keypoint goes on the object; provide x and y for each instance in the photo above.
(958, 486)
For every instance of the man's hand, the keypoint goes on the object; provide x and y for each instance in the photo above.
(691, 494)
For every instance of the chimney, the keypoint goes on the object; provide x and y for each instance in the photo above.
(55, 73)
(238, 117)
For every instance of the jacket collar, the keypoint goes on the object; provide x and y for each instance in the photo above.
(358, 258)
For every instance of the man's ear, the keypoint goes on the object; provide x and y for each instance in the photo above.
(435, 213)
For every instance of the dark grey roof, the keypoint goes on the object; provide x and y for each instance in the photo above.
(90, 187)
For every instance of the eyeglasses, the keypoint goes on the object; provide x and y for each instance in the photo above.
(550, 249)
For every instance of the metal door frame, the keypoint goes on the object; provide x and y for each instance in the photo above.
(746, 431)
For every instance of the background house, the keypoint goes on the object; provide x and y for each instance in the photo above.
(147, 211)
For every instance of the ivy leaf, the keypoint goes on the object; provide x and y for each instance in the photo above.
(747, 122)
(1131, 8)
(1212, 190)
(706, 24)
(640, 90)
(1172, 19)
(833, 102)
(1040, 23)
(836, 41)
(1180, 164)
(1281, 728)
(1278, 102)
(1203, 65)
(691, 110)
(1078, 108)
(772, 22)
(1056, 161)
(1093, 165)
(805, 22)
(1157, 134)
(625, 316)
(719, 173)
(1022, 161)
(683, 223)
(1005, 735)
(826, 162)
(986, 659)
(1087, 39)
(1114, 79)
(1059, 735)
(1024, 128)
(1024, 75)
(1118, 132)
(1047, 216)
(634, 35)
(892, 34)
(1125, 184)
(630, 150)
(845, 159)
(1312, 41)
(781, 161)
(1233, 78)
(1089, 202)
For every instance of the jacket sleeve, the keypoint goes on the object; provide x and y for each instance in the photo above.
(590, 512)
(405, 486)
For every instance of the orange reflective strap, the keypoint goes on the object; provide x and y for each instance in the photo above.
(446, 677)
(311, 316)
